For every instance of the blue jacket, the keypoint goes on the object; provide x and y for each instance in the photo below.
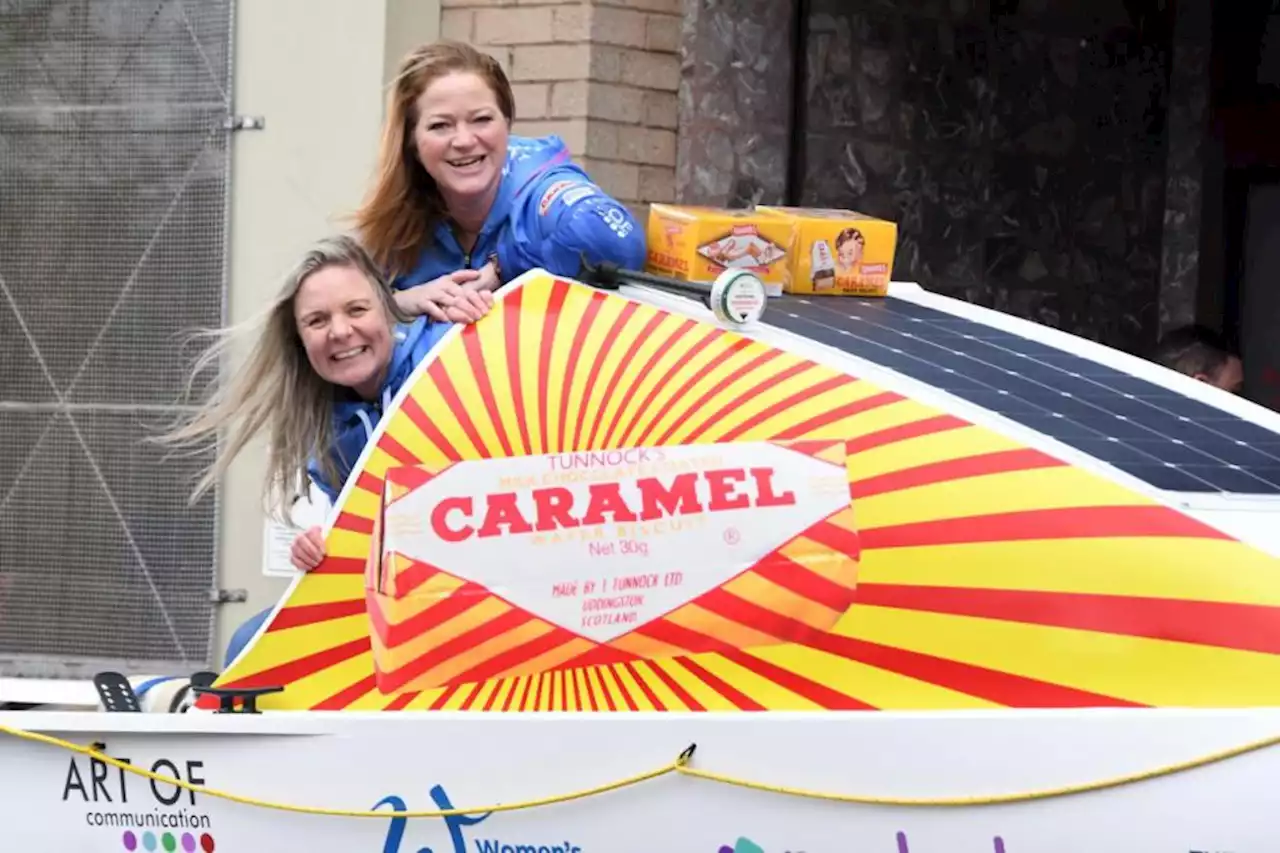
(354, 420)
(548, 212)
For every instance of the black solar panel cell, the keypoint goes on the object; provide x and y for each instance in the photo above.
(1166, 439)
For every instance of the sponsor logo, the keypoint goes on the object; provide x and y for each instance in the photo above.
(746, 845)
(116, 799)
(552, 193)
(617, 221)
(168, 842)
(457, 826)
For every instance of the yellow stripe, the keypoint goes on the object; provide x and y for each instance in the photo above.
(441, 632)
(633, 687)
(1144, 567)
(430, 594)
(768, 595)
(1153, 672)
(534, 303)
(458, 367)
(363, 504)
(886, 417)
(307, 691)
(676, 357)
(695, 687)
(480, 653)
(579, 415)
(736, 634)
(611, 678)
(487, 688)
(755, 403)
(646, 647)
(875, 686)
(762, 690)
(276, 648)
(814, 557)
(729, 400)
(571, 314)
(327, 589)
(551, 657)
(635, 387)
(716, 351)
(598, 409)
(402, 428)
(1050, 488)
(347, 543)
(454, 702)
(598, 688)
(666, 696)
(580, 678)
(494, 355)
(926, 449)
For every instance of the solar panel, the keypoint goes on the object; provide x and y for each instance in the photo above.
(1156, 434)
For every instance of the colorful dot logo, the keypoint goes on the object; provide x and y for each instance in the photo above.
(168, 842)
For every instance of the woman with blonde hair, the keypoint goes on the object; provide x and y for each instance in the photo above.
(332, 351)
(459, 204)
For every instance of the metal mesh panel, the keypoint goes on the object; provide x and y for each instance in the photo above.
(113, 190)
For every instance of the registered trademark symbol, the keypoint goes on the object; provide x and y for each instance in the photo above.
(732, 536)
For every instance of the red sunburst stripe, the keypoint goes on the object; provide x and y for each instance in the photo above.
(397, 451)
(1068, 523)
(836, 538)
(662, 385)
(511, 695)
(436, 373)
(726, 604)
(339, 566)
(511, 325)
(517, 655)
(614, 333)
(346, 696)
(590, 688)
(401, 701)
(575, 352)
(813, 447)
(754, 364)
(663, 348)
(680, 393)
(903, 432)
(604, 690)
(462, 600)
(300, 668)
(596, 656)
(555, 304)
(577, 696)
(369, 483)
(413, 577)
(999, 462)
(466, 703)
(1014, 691)
(675, 687)
(839, 413)
(819, 694)
(715, 416)
(802, 581)
(524, 695)
(452, 404)
(648, 692)
(493, 696)
(741, 700)
(347, 521)
(311, 614)
(480, 370)
(445, 695)
(686, 639)
(1245, 627)
(832, 384)
(450, 649)
(621, 687)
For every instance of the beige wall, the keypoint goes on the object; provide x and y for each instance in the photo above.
(315, 71)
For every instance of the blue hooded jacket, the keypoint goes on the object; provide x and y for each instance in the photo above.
(548, 213)
(354, 419)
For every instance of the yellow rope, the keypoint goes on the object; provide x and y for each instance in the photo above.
(679, 766)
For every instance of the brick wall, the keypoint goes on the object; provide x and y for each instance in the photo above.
(602, 74)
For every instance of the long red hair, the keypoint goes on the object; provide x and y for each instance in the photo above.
(403, 208)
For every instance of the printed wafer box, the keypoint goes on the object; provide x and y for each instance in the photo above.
(698, 243)
(507, 567)
(839, 252)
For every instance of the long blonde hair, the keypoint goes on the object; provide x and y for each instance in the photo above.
(276, 389)
(403, 208)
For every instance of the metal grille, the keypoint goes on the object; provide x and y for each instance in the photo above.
(114, 132)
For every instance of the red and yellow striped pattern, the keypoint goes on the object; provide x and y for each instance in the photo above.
(991, 575)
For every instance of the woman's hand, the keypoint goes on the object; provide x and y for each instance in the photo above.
(308, 550)
(450, 298)
(488, 279)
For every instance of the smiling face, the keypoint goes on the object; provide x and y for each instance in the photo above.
(460, 137)
(344, 328)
